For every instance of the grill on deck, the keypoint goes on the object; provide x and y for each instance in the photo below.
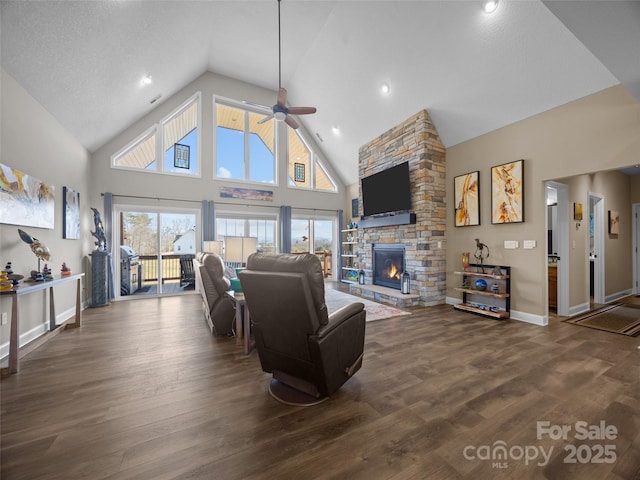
(130, 269)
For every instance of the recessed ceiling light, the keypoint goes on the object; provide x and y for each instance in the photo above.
(385, 88)
(146, 80)
(335, 129)
(489, 6)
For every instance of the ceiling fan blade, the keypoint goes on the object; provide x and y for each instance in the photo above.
(266, 119)
(302, 110)
(282, 97)
(291, 122)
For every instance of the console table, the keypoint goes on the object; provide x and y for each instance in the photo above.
(31, 287)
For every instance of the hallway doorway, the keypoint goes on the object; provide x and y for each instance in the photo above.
(596, 249)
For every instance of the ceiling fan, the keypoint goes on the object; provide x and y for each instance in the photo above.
(280, 111)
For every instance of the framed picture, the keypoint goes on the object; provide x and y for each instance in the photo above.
(507, 192)
(577, 211)
(25, 199)
(70, 214)
(354, 207)
(466, 192)
(298, 172)
(181, 156)
(614, 222)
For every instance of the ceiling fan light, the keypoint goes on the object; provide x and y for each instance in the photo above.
(279, 116)
(489, 6)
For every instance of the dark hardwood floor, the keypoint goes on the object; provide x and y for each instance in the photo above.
(142, 391)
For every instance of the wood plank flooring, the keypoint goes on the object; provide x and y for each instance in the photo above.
(143, 391)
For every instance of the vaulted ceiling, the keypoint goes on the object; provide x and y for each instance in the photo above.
(474, 72)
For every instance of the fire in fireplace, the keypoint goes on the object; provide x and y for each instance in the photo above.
(388, 265)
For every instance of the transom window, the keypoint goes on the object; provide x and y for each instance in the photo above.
(176, 135)
(245, 148)
(304, 168)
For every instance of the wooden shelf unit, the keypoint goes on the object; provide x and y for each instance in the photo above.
(495, 305)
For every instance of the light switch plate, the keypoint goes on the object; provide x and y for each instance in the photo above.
(510, 244)
(529, 244)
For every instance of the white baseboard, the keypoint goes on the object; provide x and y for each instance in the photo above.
(617, 296)
(578, 309)
(37, 331)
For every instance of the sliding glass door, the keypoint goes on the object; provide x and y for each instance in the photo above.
(314, 235)
(154, 246)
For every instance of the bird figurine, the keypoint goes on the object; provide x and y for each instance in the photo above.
(40, 250)
(479, 253)
(101, 242)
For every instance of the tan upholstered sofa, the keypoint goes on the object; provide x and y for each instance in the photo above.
(212, 285)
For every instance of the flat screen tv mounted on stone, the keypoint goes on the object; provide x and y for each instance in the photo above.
(386, 198)
(386, 192)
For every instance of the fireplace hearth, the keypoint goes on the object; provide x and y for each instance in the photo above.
(388, 265)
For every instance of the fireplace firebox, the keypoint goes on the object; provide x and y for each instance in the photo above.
(388, 265)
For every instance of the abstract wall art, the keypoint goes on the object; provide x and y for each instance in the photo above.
(25, 200)
(466, 192)
(507, 192)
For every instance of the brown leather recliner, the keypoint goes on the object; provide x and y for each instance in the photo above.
(310, 353)
(212, 284)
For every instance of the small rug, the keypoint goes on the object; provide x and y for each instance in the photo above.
(375, 311)
(617, 318)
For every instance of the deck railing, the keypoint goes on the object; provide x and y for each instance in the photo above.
(171, 266)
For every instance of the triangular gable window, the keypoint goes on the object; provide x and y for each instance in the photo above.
(176, 135)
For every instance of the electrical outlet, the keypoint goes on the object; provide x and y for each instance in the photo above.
(5, 318)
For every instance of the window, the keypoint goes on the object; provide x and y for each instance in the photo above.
(264, 229)
(304, 168)
(176, 136)
(141, 154)
(244, 147)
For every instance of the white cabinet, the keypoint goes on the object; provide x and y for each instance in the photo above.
(349, 255)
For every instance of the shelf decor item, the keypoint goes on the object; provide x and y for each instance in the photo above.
(480, 253)
(481, 284)
(507, 192)
(465, 260)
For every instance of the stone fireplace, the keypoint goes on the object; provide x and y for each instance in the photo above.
(387, 265)
(423, 242)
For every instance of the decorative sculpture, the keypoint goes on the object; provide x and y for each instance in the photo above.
(101, 242)
(479, 253)
(39, 250)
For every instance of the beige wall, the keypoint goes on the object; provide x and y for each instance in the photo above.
(35, 143)
(599, 132)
